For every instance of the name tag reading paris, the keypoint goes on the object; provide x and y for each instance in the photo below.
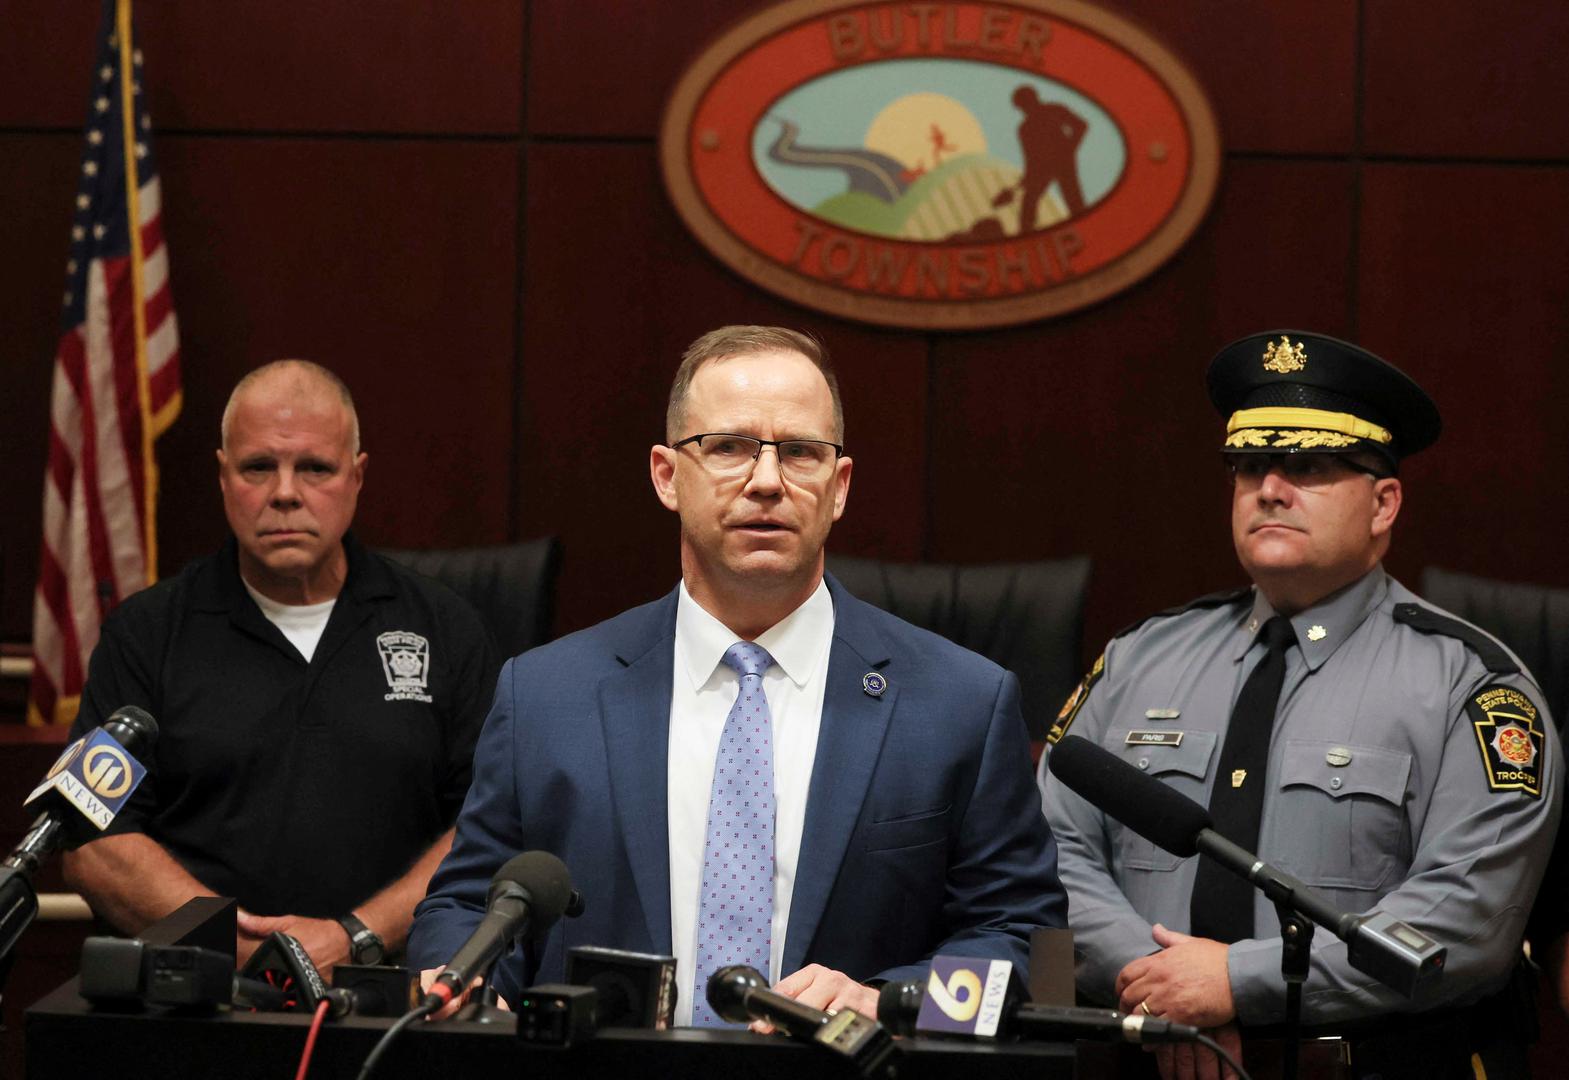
(1154, 738)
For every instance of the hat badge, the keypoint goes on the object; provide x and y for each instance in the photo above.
(1284, 358)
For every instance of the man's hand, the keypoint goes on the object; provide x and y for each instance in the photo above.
(1186, 981)
(325, 940)
(826, 989)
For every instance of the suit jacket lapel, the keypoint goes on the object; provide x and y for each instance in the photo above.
(635, 714)
(849, 740)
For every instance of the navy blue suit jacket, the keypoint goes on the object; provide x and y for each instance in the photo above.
(923, 831)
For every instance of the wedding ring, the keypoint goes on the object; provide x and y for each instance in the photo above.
(1144, 1007)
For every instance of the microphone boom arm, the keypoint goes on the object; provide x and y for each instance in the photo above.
(1378, 945)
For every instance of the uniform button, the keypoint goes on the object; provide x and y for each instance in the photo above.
(1334, 782)
(1144, 762)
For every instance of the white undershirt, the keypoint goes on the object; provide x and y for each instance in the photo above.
(302, 624)
(701, 694)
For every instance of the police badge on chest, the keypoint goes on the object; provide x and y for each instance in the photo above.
(405, 660)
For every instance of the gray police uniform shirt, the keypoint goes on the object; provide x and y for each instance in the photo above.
(1404, 775)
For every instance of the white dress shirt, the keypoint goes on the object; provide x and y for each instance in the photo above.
(701, 693)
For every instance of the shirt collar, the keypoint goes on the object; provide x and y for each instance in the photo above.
(1322, 628)
(797, 642)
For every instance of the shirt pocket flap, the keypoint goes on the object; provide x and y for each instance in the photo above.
(1365, 770)
(1189, 757)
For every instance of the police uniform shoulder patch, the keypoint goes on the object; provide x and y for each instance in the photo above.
(1509, 737)
(1427, 620)
(1075, 702)
(1209, 600)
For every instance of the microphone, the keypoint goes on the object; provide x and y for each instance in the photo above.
(527, 895)
(1379, 945)
(740, 994)
(95, 776)
(1156, 811)
(906, 1007)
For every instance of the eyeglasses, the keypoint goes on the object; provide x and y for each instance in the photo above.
(1307, 471)
(804, 461)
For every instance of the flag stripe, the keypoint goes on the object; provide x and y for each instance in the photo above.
(155, 270)
(122, 483)
(87, 527)
(163, 342)
(54, 609)
(82, 604)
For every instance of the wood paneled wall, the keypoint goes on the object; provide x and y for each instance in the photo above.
(457, 206)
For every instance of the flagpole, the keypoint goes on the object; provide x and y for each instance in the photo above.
(134, 223)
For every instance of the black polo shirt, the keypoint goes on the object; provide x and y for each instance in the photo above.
(299, 788)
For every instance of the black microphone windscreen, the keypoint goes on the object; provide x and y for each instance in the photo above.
(728, 988)
(134, 729)
(547, 880)
(898, 1005)
(1150, 808)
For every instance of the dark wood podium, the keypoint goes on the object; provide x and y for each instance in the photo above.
(66, 1036)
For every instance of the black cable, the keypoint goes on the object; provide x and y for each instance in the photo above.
(418, 1013)
(1236, 1066)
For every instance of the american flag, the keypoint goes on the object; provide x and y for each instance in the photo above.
(116, 384)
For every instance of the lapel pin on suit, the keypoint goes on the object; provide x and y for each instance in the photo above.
(874, 684)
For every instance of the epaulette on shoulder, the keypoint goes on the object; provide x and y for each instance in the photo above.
(1428, 621)
(1210, 600)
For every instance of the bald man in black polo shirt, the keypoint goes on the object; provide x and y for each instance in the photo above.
(318, 705)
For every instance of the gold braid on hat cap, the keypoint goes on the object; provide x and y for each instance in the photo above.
(1340, 423)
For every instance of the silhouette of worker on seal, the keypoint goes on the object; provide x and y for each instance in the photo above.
(1049, 137)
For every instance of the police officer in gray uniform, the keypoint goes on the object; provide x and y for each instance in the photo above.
(1379, 749)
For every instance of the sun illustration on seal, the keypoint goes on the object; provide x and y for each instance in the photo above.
(920, 130)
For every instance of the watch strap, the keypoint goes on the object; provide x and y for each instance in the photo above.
(362, 939)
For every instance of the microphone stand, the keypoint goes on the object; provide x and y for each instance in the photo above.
(18, 900)
(482, 1007)
(1296, 956)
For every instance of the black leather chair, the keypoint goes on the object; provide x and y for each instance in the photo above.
(512, 586)
(1027, 617)
(1533, 620)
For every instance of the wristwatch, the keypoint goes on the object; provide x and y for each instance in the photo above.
(365, 945)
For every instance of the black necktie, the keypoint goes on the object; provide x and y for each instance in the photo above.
(1222, 905)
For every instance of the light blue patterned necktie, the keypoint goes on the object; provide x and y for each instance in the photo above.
(735, 911)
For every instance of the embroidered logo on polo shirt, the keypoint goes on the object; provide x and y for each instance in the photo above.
(405, 660)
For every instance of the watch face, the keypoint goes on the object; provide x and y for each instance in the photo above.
(368, 948)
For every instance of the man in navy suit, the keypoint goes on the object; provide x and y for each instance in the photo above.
(892, 814)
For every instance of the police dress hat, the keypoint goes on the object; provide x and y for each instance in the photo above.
(1289, 391)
